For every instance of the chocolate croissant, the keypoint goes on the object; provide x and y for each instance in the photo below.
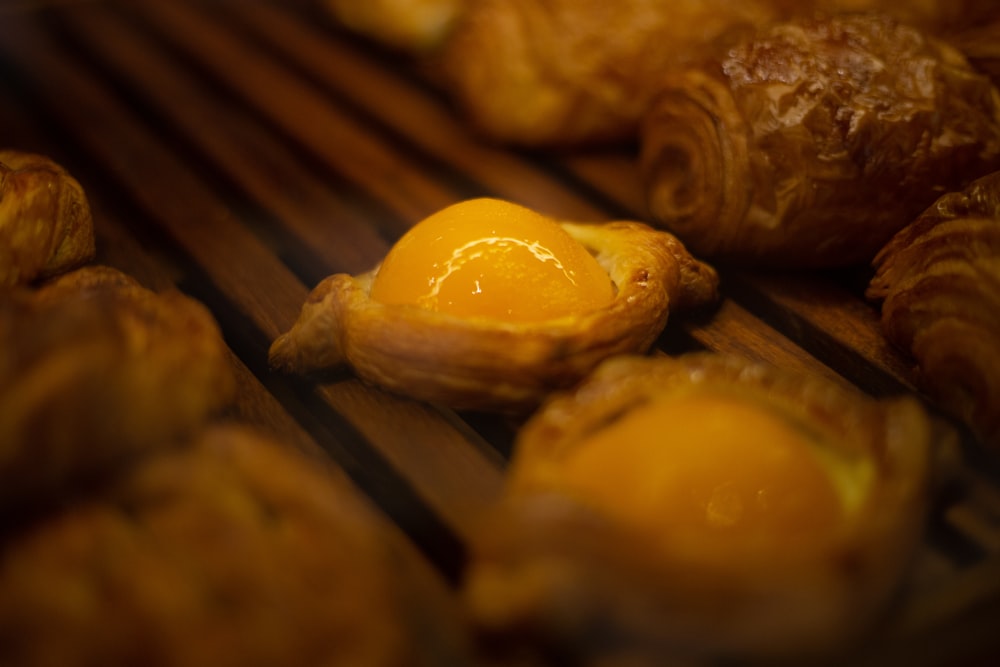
(812, 143)
(94, 371)
(703, 508)
(230, 551)
(45, 222)
(939, 283)
(568, 72)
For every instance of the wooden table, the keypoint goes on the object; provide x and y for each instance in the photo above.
(242, 150)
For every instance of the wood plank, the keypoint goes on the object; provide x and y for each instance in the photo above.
(734, 330)
(834, 324)
(299, 110)
(258, 163)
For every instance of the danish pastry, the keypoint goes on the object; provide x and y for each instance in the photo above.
(703, 507)
(94, 369)
(939, 283)
(812, 143)
(232, 550)
(45, 222)
(489, 305)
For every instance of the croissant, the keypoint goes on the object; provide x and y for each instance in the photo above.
(232, 550)
(570, 72)
(409, 26)
(45, 222)
(95, 370)
(811, 144)
(939, 283)
(703, 508)
(493, 306)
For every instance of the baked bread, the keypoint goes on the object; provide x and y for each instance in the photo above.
(95, 370)
(938, 281)
(229, 551)
(45, 222)
(703, 508)
(812, 143)
(492, 362)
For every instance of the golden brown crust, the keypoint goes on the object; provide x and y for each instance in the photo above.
(813, 143)
(547, 569)
(231, 551)
(939, 280)
(563, 72)
(45, 221)
(479, 364)
(95, 369)
(981, 199)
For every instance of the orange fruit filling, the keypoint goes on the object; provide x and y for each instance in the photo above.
(706, 468)
(487, 258)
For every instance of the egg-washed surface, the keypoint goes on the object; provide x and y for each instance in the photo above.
(708, 506)
(486, 305)
(242, 151)
(494, 260)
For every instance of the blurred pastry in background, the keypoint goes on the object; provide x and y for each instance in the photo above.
(232, 550)
(702, 509)
(812, 143)
(45, 222)
(938, 281)
(489, 305)
(96, 370)
(559, 73)
(409, 26)
(570, 72)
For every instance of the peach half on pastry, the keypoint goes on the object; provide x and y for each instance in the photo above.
(703, 507)
(490, 305)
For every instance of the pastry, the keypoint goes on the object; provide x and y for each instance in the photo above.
(812, 143)
(938, 281)
(95, 370)
(409, 26)
(489, 305)
(571, 72)
(230, 551)
(45, 222)
(703, 508)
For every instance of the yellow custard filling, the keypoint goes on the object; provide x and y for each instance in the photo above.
(490, 259)
(709, 469)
